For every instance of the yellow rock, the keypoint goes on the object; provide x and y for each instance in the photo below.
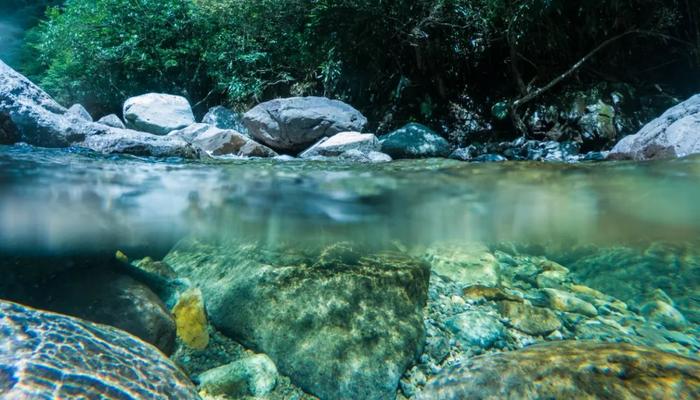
(121, 257)
(191, 320)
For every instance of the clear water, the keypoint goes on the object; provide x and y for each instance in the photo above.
(626, 229)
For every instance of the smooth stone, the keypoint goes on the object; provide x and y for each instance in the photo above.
(567, 302)
(78, 111)
(51, 356)
(157, 113)
(322, 316)
(342, 142)
(534, 321)
(468, 264)
(673, 134)
(293, 124)
(552, 279)
(112, 120)
(373, 157)
(125, 141)
(191, 319)
(414, 141)
(254, 376)
(476, 328)
(570, 370)
(222, 142)
(490, 158)
(664, 314)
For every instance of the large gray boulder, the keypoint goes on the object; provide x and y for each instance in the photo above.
(292, 124)
(222, 142)
(415, 141)
(157, 113)
(28, 114)
(340, 323)
(676, 133)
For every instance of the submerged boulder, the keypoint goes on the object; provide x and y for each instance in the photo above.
(105, 297)
(676, 133)
(571, 370)
(341, 324)
(338, 144)
(415, 141)
(46, 356)
(157, 113)
(220, 142)
(292, 124)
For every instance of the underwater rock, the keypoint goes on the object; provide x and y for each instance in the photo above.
(532, 320)
(322, 316)
(673, 134)
(78, 111)
(571, 370)
(664, 314)
(414, 141)
(112, 120)
(105, 297)
(469, 264)
(191, 319)
(157, 113)
(222, 142)
(567, 302)
(476, 328)
(224, 118)
(292, 124)
(342, 142)
(255, 375)
(46, 356)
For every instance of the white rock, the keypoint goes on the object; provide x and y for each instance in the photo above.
(256, 375)
(157, 113)
(342, 142)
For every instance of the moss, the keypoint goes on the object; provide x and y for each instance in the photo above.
(191, 319)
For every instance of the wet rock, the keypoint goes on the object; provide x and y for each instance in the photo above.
(78, 111)
(292, 124)
(124, 141)
(224, 118)
(191, 319)
(414, 141)
(532, 320)
(109, 298)
(342, 142)
(94, 361)
(30, 115)
(552, 279)
(476, 328)
(490, 293)
(664, 314)
(112, 120)
(221, 142)
(467, 264)
(464, 153)
(254, 376)
(598, 123)
(490, 158)
(673, 134)
(321, 316)
(567, 302)
(570, 369)
(372, 157)
(157, 113)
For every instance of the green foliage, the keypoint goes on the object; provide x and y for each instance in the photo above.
(396, 60)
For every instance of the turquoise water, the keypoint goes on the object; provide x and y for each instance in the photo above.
(627, 230)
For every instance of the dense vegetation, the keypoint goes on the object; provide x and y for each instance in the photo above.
(450, 63)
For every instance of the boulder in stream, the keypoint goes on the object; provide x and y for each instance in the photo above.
(415, 141)
(157, 113)
(222, 142)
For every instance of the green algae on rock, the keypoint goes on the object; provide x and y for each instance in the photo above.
(46, 355)
(340, 325)
(571, 370)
